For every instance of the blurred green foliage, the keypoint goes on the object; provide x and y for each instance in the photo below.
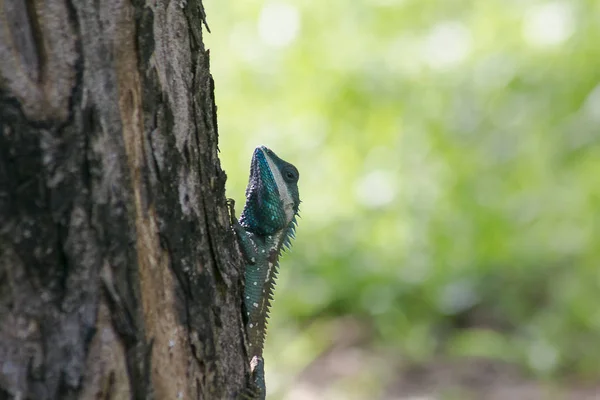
(449, 159)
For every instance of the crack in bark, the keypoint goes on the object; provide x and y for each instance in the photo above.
(37, 49)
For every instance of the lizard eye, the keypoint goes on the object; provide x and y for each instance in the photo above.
(290, 174)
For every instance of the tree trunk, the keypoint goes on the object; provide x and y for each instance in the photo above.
(119, 274)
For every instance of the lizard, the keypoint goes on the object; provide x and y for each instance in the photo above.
(265, 229)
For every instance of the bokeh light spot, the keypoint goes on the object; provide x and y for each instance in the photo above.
(278, 24)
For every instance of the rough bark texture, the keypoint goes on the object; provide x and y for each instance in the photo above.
(119, 275)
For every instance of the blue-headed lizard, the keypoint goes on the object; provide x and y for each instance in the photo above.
(265, 229)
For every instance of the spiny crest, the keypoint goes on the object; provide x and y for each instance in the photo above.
(291, 234)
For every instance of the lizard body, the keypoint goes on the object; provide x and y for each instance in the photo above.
(266, 226)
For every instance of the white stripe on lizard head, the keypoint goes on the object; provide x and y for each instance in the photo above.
(284, 192)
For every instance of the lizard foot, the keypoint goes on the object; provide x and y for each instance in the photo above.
(257, 390)
(231, 207)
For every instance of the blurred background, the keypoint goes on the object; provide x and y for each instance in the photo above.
(448, 155)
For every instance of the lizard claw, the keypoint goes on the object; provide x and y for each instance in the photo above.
(231, 207)
(255, 362)
(257, 371)
(256, 391)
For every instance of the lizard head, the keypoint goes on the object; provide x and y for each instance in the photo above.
(272, 197)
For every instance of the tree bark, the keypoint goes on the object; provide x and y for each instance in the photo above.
(119, 274)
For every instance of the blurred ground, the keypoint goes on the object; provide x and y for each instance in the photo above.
(345, 364)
